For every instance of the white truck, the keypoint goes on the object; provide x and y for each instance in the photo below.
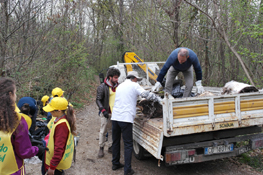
(198, 129)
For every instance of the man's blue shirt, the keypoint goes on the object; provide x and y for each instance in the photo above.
(173, 61)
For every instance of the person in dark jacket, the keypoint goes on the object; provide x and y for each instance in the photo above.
(105, 101)
(33, 110)
(181, 60)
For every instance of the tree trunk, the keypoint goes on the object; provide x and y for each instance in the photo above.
(222, 57)
(175, 18)
(121, 43)
(4, 28)
(206, 51)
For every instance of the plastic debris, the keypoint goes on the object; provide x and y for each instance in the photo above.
(32, 160)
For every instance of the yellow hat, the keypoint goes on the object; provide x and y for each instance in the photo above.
(57, 103)
(57, 91)
(44, 99)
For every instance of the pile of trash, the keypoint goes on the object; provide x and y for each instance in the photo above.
(177, 91)
(151, 109)
(234, 87)
(33, 160)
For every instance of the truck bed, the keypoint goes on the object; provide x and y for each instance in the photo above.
(198, 115)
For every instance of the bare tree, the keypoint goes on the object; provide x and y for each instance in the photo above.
(15, 16)
(219, 26)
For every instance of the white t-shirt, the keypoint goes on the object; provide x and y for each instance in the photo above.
(125, 101)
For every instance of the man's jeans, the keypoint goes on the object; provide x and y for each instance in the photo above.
(125, 129)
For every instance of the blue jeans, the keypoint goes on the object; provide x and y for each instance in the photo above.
(125, 129)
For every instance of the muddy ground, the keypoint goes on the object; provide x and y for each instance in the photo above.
(87, 162)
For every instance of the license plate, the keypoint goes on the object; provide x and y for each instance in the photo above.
(219, 149)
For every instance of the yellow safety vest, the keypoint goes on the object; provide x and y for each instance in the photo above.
(8, 163)
(112, 99)
(27, 118)
(17, 109)
(66, 160)
(51, 122)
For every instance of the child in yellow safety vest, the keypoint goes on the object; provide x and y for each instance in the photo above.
(45, 100)
(61, 140)
(15, 144)
(56, 92)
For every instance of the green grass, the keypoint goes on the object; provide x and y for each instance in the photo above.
(77, 105)
(243, 143)
(255, 162)
(253, 158)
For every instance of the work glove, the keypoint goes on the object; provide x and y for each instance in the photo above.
(106, 114)
(156, 87)
(151, 96)
(159, 99)
(41, 151)
(199, 87)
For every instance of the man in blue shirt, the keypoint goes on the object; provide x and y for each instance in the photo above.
(181, 60)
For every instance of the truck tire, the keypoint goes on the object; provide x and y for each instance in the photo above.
(139, 151)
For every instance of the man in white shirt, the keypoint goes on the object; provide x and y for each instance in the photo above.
(123, 114)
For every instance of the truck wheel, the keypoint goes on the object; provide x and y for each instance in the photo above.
(139, 151)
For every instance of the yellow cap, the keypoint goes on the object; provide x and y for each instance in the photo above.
(57, 103)
(44, 99)
(57, 91)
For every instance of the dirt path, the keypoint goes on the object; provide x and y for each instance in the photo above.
(87, 162)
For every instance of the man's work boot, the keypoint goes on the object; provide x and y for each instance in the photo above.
(131, 172)
(118, 166)
(101, 152)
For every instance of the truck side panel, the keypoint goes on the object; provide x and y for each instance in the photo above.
(149, 137)
(195, 115)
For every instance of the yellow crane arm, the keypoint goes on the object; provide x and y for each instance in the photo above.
(131, 57)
